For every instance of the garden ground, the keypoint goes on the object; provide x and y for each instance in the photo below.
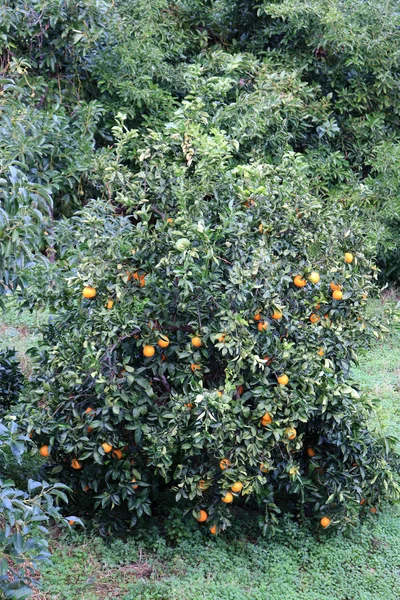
(172, 560)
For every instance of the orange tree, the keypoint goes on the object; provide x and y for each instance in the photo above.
(205, 322)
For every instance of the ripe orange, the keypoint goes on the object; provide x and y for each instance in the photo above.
(334, 286)
(257, 316)
(266, 419)
(262, 326)
(310, 452)
(314, 318)
(314, 277)
(213, 530)
(337, 295)
(169, 220)
(148, 351)
(237, 487)
(203, 516)
(202, 485)
(348, 257)
(44, 451)
(88, 292)
(299, 281)
(224, 464)
(140, 278)
(283, 379)
(134, 484)
(276, 314)
(290, 433)
(110, 304)
(117, 454)
(163, 342)
(240, 389)
(196, 342)
(195, 367)
(89, 429)
(228, 498)
(86, 488)
(220, 394)
(89, 410)
(189, 405)
(71, 522)
(321, 352)
(373, 510)
(221, 338)
(106, 447)
(325, 522)
(264, 468)
(75, 464)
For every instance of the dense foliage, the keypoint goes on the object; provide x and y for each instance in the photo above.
(185, 161)
(11, 379)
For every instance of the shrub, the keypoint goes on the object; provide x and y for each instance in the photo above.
(210, 348)
(24, 516)
(11, 379)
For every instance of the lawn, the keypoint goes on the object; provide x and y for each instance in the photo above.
(171, 561)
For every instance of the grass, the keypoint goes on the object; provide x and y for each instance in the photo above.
(182, 562)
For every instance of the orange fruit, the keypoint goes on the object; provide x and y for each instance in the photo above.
(86, 488)
(202, 485)
(169, 220)
(71, 522)
(290, 433)
(299, 281)
(373, 510)
(110, 304)
(224, 464)
(140, 278)
(106, 447)
(276, 315)
(203, 516)
(75, 464)
(196, 342)
(337, 295)
(148, 351)
(189, 405)
(264, 468)
(266, 419)
(240, 390)
(257, 316)
(213, 530)
(89, 410)
(221, 338)
(237, 487)
(314, 318)
(321, 352)
(334, 286)
(348, 257)
(228, 498)
(44, 451)
(220, 394)
(88, 292)
(134, 484)
(283, 379)
(363, 501)
(89, 429)
(195, 367)
(317, 306)
(310, 452)
(117, 454)
(325, 522)
(314, 277)
(163, 342)
(262, 326)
